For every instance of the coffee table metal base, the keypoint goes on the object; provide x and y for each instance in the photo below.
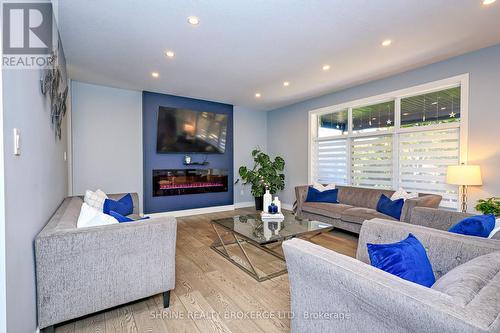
(220, 247)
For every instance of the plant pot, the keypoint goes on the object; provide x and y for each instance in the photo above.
(259, 202)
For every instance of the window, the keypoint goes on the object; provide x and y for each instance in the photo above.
(371, 160)
(331, 161)
(434, 108)
(404, 139)
(423, 158)
(372, 118)
(332, 124)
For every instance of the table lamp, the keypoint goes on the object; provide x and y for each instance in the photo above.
(464, 175)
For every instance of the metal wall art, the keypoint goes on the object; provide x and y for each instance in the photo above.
(54, 85)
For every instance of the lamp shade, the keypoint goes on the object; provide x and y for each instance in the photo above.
(464, 175)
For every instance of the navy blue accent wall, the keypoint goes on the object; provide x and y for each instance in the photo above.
(150, 104)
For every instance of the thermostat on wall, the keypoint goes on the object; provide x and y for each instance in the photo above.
(17, 142)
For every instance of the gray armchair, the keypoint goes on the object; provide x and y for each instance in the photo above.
(331, 292)
(86, 270)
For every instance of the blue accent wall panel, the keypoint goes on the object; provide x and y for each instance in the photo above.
(150, 104)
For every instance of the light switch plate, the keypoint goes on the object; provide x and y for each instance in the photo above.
(17, 141)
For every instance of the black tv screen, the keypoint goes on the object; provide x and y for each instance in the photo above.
(189, 131)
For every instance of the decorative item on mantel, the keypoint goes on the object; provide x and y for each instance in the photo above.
(265, 173)
(189, 161)
(54, 85)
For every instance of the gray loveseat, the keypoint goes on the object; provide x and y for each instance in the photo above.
(331, 292)
(356, 205)
(86, 270)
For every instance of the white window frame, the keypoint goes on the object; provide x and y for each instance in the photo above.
(396, 96)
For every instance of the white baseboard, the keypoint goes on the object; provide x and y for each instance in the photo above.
(208, 210)
(195, 211)
(244, 204)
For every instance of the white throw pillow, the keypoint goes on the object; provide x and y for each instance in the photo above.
(321, 187)
(495, 229)
(91, 217)
(95, 199)
(402, 194)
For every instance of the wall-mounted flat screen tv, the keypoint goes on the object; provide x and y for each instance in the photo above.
(189, 131)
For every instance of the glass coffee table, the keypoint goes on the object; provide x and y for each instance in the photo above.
(249, 233)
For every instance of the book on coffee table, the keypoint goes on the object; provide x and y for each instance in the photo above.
(269, 216)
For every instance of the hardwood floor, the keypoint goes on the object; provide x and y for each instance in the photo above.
(211, 294)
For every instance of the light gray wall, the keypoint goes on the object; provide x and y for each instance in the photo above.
(35, 185)
(106, 127)
(3, 316)
(288, 134)
(250, 132)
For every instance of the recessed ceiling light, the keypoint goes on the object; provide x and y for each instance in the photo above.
(326, 67)
(193, 20)
(387, 42)
(155, 75)
(443, 108)
(170, 54)
(488, 2)
(257, 95)
(286, 83)
(406, 114)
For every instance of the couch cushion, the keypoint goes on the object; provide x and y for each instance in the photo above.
(477, 225)
(325, 209)
(475, 285)
(314, 195)
(361, 197)
(123, 206)
(406, 259)
(390, 207)
(360, 214)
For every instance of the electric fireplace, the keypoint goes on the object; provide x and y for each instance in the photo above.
(189, 181)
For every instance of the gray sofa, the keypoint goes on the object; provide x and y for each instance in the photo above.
(86, 270)
(439, 219)
(356, 205)
(331, 292)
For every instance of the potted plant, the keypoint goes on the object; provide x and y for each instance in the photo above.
(489, 206)
(265, 173)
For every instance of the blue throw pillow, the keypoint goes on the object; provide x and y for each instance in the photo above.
(124, 206)
(389, 207)
(122, 218)
(406, 259)
(313, 195)
(478, 225)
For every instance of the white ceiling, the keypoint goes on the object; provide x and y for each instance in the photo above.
(245, 46)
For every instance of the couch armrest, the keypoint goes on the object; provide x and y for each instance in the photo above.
(445, 250)
(360, 298)
(300, 197)
(86, 270)
(427, 200)
(436, 218)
